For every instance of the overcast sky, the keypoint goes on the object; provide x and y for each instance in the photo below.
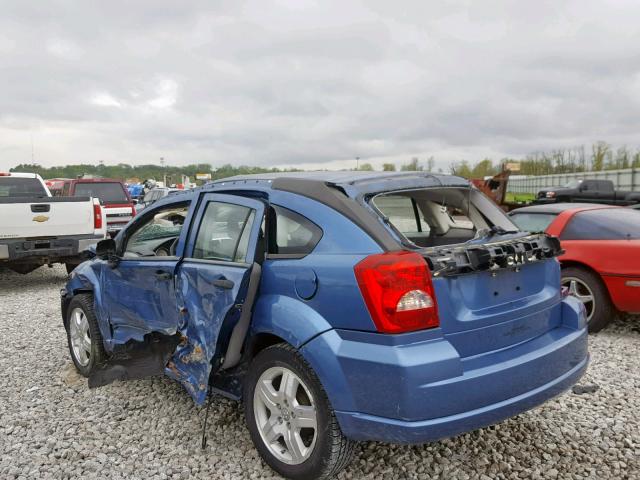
(313, 84)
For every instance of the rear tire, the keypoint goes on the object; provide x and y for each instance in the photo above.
(70, 267)
(586, 283)
(83, 335)
(324, 452)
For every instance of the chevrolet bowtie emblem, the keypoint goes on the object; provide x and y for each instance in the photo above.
(40, 218)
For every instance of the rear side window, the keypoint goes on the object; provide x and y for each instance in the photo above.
(106, 192)
(295, 234)
(533, 222)
(224, 232)
(604, 224)
(21, 187)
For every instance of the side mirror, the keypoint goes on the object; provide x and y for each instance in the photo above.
(106, 250)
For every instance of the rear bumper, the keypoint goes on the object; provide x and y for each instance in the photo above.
(368, 427)
(45, 250)
(416, 388)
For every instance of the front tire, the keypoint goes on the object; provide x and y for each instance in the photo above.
(290, 419)
(587, 287)
(83, 335)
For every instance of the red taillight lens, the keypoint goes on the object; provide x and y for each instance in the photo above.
(133, 210)
(97, 216)
(397, 289)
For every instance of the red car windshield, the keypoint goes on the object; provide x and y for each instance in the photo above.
(107, 192)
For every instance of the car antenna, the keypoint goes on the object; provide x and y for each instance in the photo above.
(206, 416)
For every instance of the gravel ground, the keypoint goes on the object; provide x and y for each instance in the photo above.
(53, 426)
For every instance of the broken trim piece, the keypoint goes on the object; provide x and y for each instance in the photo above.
(461, 259)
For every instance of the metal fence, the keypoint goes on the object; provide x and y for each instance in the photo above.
(627, 179)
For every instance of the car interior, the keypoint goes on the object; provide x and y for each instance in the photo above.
(435, 217)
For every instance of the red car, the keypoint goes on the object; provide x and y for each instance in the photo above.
(601, 263)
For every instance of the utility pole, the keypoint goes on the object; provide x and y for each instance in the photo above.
(357, 163)
(164, 172)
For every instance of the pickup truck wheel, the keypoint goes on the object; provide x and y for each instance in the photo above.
(24, 268)
(290, 419)
(589, 289)
(83, 335)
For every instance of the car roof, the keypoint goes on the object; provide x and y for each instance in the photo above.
(345, 177)
(557, 208)
(96, 180)
(20, 175)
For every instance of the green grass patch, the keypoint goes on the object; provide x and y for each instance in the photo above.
(519, 197)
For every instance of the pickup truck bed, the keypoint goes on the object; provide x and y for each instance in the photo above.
(39, 229)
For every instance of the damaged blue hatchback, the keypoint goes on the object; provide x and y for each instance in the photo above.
(338, 306)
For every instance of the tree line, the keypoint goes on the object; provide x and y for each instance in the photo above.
(601, 156)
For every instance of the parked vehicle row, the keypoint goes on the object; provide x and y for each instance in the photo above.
(38, 229)
(339, 306)
(601, 259)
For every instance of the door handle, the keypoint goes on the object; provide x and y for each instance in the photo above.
(160, 275)
(223, 283)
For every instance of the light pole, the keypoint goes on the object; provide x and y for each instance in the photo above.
(164, 172)
(357, 163)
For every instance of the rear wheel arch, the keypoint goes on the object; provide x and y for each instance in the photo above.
(259, 341)
(604, 307)
(584, 266)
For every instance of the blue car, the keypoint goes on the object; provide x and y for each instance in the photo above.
(338, 306)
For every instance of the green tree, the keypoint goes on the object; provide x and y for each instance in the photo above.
(461, 169)
(483, 168)
(412, 166)
(599, 153)
(389, 167)
(366, 167)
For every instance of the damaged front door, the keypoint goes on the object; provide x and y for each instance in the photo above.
(139, 296)
(212, 284)
(175, 312)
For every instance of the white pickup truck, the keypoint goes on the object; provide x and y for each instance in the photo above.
(38, 229)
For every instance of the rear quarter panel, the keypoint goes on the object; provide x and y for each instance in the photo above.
(284, 307)
(615, 261)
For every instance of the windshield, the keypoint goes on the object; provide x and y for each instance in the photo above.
(533, 222)
(573, 184)
(21, 187)
(107, 192)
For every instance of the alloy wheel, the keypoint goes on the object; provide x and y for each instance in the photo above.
(80, 336)
(286, 415)
(580, 290)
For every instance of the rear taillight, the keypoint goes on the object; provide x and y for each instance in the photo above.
(133, 210)
(97, 216)
(398, 291)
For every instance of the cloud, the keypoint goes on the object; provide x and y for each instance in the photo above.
(314, 84)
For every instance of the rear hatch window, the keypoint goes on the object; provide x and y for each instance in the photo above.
(106, 192)
(21, 187)
(433, 217)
